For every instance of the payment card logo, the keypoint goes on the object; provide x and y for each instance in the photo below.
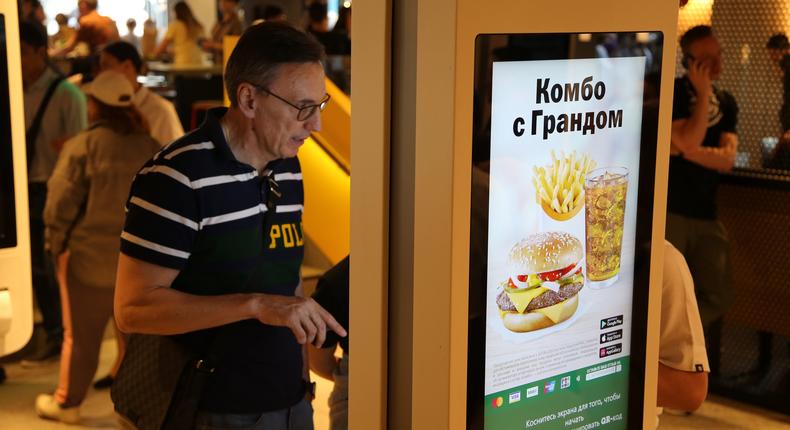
(497, 402)
(514, 397)
(548, 387)
(532, 391)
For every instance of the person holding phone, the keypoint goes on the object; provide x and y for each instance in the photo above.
(703, 145)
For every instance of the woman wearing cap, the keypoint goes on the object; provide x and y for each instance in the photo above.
(84, 217)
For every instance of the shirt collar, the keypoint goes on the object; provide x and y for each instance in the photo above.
(43, 81)
(213, 130)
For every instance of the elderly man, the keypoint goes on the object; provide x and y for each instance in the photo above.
(213, 240)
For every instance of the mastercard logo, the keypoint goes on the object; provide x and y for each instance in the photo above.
(497, 402)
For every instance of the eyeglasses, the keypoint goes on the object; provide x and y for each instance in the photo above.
(304, 112)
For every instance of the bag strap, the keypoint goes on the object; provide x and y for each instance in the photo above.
(35, 127)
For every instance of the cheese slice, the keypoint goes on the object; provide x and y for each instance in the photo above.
(522, 298)
(553, 312)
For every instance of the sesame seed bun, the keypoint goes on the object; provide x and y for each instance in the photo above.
(544, 252)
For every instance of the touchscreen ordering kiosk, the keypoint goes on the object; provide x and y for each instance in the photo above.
(524, 147)
(16, 307)
(562, 197)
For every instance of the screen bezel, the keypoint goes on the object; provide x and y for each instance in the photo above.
(8, 237)
(481, 144)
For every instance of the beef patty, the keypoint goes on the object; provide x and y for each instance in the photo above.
(544, 300)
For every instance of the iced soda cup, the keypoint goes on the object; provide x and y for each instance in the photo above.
(605, 190)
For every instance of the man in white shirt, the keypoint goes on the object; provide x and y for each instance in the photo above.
(160, 114)
(683, 361)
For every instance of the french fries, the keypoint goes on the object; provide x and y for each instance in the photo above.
(559, 187)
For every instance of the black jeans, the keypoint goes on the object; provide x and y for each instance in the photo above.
(45, 286)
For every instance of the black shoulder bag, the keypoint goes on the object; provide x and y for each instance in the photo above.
(31, 134)
(160, 382)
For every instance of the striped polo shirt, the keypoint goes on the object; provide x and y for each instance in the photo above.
(197, 209)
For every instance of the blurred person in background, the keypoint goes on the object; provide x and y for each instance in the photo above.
(335, 42)
(703, 144)
(54, 112)
(229, 25)
(94, 29)
(160, 114)
(338, 50)
(342, 33)
(130, 37)
(779, 50)
(343, 23)
(31, 11)
(184, 33)
(148, 41)
(64, 34)
(164, 126)
(84, 217)
(272, 13)
(318, 21)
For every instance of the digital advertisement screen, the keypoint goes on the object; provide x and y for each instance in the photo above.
(7, 206)
(562, 175)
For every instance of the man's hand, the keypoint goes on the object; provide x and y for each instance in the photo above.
(699, 75)
(689, 133)
(307, 319)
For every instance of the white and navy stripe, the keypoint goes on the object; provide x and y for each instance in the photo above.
(195, 185)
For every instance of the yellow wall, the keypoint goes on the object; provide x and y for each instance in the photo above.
(327, 204)
(336, 125)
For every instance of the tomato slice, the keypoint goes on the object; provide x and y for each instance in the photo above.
(555, 274)
(521, 278)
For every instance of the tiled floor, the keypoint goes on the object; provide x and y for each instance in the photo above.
(19, 392)
(723, 414)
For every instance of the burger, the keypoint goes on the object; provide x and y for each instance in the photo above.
(545, 280)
